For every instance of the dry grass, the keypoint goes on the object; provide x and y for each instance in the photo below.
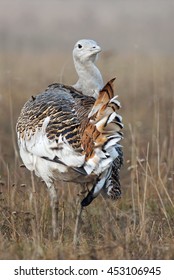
(141, 224)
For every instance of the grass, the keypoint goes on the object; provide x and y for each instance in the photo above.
(141, 224)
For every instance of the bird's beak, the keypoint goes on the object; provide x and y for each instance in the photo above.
(96, 49)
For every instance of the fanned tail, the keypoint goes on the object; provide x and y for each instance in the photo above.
(100, 143)
(103, 131)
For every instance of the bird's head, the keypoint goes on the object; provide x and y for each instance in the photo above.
(86, 50)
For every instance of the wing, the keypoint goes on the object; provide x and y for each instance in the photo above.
(50, 126)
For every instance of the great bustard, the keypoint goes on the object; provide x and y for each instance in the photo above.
(71, 133)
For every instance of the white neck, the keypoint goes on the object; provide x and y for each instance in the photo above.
(90, 80)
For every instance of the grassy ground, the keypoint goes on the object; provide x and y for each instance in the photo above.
(141, 224)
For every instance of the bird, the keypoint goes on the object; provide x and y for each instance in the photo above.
(72, 133)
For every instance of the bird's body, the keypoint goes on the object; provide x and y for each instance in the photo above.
(55, 136)
(50, 127)
(72, 133)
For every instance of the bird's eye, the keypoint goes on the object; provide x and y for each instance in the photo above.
(79, 46)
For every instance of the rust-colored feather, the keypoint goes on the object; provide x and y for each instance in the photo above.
(103, 121)
(104, 97)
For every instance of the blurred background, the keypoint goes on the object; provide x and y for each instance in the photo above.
(120, 25)
(137, 40)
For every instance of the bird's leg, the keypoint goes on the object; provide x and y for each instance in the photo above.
(78, 222)
(35, 223)
(55, 208)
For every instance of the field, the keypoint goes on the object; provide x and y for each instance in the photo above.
(138, 226)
